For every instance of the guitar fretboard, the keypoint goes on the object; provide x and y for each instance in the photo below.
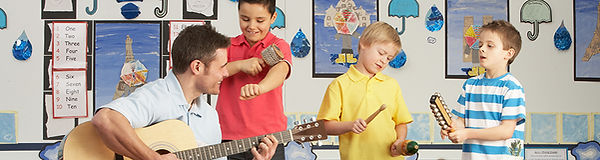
(229, 148)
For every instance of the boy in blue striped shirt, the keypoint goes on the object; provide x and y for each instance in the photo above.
(491, 115)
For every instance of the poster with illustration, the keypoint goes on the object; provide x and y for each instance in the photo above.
(337, 26)
(587, 40)
(127, 56)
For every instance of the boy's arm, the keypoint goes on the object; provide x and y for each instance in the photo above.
(251, 66)
(274, 78)
(503, 131)
(401, 130)
(334, 127)
(119, 136)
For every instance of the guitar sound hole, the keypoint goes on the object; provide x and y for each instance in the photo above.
(162, 151)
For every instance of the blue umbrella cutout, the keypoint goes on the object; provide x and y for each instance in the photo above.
(562, 38)
(94, 8)
(280, 21)
(434, 20)
(403, 9)
(162, 12)
(2, 19)
(535, 12)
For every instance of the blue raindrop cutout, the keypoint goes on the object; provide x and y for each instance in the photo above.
(562, 38)
(130, 11)
(22, 47)
(399, 61)
(300, 45)
(435, 20)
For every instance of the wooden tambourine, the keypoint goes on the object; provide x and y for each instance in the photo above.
(272, 55)
(440, 111)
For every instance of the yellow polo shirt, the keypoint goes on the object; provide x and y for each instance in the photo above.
(354, 95)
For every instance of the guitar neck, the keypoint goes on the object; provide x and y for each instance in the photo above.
(230, 148)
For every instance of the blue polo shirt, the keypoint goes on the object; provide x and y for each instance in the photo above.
(163, 100)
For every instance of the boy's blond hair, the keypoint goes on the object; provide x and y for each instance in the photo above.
(380, 32)
(508, 34)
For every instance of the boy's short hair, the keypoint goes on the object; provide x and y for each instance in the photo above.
(269, 4)
(197, 42)
(380, 32)
(508, 34)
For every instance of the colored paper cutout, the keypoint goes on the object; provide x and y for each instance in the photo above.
(204, 7)
(51, 152)
(562, 37)
(403, 9)
(399, 60)
(280, 20)
(574, 128)
(419, 130)
(300, 45)
(299, 151)
(434, 19)
(596, 127)
(130, 11)
(535, 12)
(94, 8)
(8, 127)
(584, 151)
(543, 128)
(162, 11)
(22, 47)
(58, 6)
(3, 18)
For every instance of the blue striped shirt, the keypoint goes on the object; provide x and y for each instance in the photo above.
(484, 103)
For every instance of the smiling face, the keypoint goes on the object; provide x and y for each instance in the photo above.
(214, 73)
(375, 58)
(255, 21)
(492, 56)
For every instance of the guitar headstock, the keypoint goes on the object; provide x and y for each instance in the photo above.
(440, 110)
(311, 131)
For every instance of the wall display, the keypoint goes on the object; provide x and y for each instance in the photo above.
(59, 9)
(463, 18)
(403, 9)
(3, 18)
(161, 12)
(200, 9)
(280, 20)
(94, 8)
(8, 127)
(300, 45)
(127, 56)
(587, 40)
(535, 12)
(22, 48)
(562, 37)
(337, 25)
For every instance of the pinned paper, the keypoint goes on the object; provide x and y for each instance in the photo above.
(435, 20)
(204, 7)
(58, 6)
(300, 45)
(8, 127)
(22, 47)
(69, 44)
(69, 94)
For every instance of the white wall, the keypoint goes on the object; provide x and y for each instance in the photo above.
(545, 72)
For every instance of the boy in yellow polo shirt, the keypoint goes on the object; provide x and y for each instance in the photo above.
(360, 91)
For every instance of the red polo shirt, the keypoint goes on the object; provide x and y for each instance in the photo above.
(262, 115)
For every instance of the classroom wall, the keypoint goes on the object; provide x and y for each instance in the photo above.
(545, 72)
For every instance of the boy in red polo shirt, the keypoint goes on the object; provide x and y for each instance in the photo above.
(250, 103)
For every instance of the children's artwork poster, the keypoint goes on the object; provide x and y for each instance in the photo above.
(127, 56)
(464, 18)
(175, 28)
(587, 40)
(575, 127)
(200, 9)
(542, 128)
(59, 9)
(8, 127)
(337, 26)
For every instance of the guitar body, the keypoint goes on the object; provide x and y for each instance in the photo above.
(84, 142)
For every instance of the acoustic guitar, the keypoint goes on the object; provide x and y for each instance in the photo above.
(174, 136)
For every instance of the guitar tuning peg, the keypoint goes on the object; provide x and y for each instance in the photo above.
(313, 119)
(304, 121)
(296, 123)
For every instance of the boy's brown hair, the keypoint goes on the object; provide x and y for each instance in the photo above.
(508, 34)
(196, 43)
(380, 32)
(269, 4)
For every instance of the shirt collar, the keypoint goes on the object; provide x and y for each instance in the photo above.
(175, 90)
(239, 40)
(356, 76)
